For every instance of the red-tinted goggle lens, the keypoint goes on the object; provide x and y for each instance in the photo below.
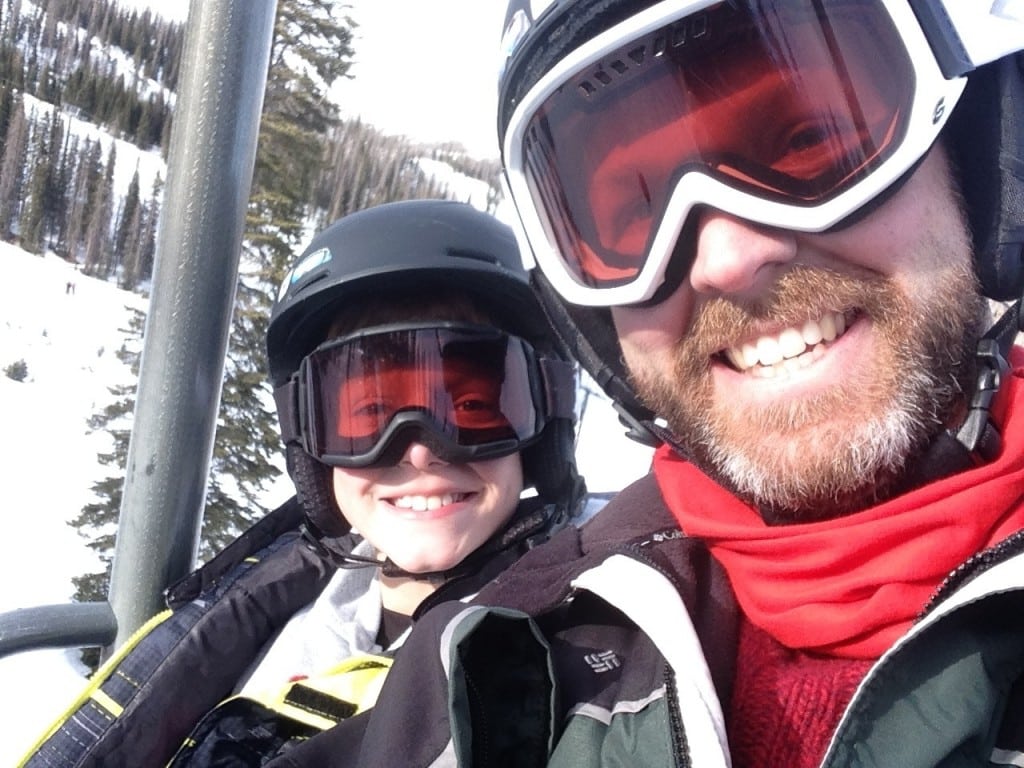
(790, 101)
(470, 390)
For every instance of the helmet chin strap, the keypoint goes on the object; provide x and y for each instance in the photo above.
(341, 557)
(977, 440)
(977, 434)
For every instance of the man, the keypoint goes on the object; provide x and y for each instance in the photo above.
(768, 229)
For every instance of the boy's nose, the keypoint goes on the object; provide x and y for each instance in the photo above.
(420, 456)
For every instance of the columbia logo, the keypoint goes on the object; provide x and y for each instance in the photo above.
(604, 661)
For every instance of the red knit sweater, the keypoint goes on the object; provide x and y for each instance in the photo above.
(786, 704)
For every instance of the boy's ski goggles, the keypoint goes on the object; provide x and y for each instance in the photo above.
(467, 392)
(791, 114)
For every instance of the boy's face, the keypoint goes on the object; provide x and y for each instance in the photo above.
(802, 369)
(425, 514)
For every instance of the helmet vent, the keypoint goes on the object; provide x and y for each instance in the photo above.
(462, 253)
(624, 64)
(311, 279)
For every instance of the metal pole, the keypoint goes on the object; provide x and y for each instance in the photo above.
(210, 166)
(72, 625)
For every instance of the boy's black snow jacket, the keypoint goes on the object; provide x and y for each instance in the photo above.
(144, 702)
(178, 670)
(582, 654)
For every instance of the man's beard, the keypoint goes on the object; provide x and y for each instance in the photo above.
(845, 448)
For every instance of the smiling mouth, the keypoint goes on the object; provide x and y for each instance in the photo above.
(789, 350)
(427, 503)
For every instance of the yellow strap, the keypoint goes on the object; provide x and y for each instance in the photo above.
(347, 689)
(92, 691)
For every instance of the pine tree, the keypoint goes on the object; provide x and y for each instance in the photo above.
(49, 34)
(10, 14)
(55, 203)
(97, 521)
(44, 199)
(127, 218)
(364, 167)
(140, 240)
(7, 101)
(30, 227)
(68, 186)
(12, 171)
(145, 248)
(98, 258)
(131, 230)
(87, 177)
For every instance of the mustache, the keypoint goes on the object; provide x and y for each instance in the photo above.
(802, 293)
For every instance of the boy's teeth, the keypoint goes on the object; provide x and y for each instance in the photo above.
(425, 503)
(769, 351)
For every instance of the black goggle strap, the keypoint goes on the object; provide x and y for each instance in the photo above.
(558, 378)
(286, 397)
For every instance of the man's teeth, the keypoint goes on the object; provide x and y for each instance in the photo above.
(426, 503)
(769, 351)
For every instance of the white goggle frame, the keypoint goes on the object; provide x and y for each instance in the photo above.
(933, 100)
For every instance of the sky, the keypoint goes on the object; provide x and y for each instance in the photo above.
(426, 69)
(48, 460)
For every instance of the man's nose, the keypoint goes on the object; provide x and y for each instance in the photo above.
(735, 257)
(420, 456)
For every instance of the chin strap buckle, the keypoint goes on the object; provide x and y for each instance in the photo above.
(977, 434)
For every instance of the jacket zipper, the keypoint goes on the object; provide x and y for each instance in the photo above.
(974, 565)
(676, 730)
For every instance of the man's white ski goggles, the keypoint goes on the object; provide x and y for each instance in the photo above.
(791, 114)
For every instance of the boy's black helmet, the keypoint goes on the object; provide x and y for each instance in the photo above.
(402, 249)
(410, 246)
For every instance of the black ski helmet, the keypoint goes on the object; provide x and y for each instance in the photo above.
(984, 136)
(414, 247)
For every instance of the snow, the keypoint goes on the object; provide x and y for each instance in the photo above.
(467, 189)
(68, 342)
(49, 458)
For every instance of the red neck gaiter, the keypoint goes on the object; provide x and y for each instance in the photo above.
(851, 586)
